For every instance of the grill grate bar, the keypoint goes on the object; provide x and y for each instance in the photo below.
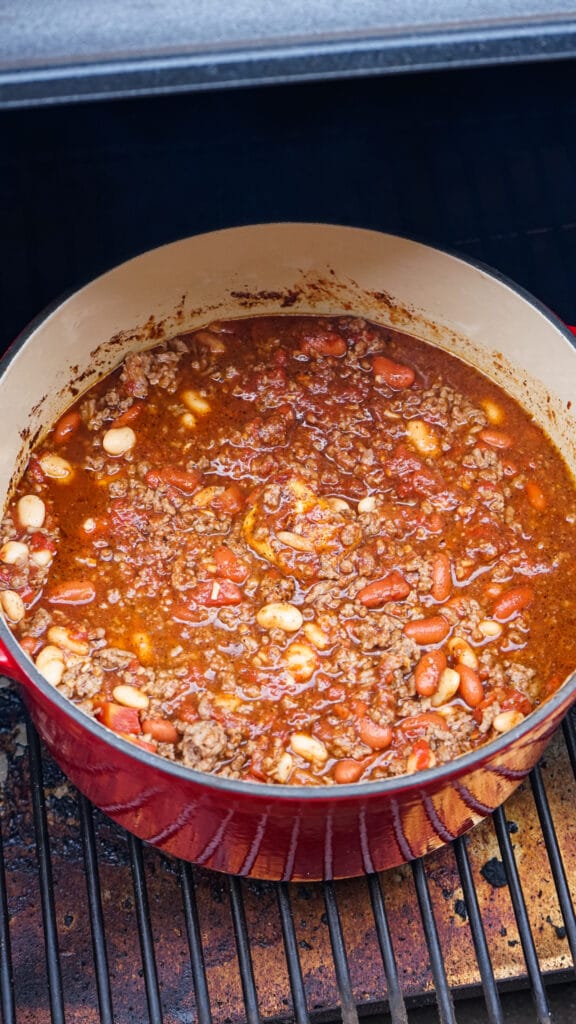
(7, 1003)
(555, 857)
(95, 911)
(493, 1004)
(145, 930)
(521, 915)
(569, 728)
(348, 1006)
(45, 875)
(396, 1005)
(244, 955)
(300, 1008)
(203, 1010)
(443, 993)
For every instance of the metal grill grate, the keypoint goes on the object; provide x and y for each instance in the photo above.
(222, 974)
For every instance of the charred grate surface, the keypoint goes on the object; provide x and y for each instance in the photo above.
(96, 927)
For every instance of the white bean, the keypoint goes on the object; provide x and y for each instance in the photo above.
(62, 637)
(308, 747)
(338, 505)
(295, 540)
(447, 686)
(31, 512)
(41, 557)
(423, 437)
(56, 467)
(50, 663)
(284, 767)
(210, 341)
(143, 643)
(196, 402)
(14, 552)
(507, 720)
(367, 504)
(130, 697)
(488, 627)
(119, 440)
(280, 615)
(315, 635)
(301, 660)
(461, 650)
(494, 412)
(12, 605)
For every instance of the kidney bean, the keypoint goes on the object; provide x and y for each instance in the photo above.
(185, 481)
(160, 729)
(470, 689)
(511, 602)
(427, 631)
(30, 644)
(396, 375)
(536, 496)
(379, 737)
(422, 722)
(129, 416)
(441, 577)
(496, 438)
(67, 426)
(329, 344)
(347, 770)
(392, 587)
(428, 671)
(72, 592)
(217, 594)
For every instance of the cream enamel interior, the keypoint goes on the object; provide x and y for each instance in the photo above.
(289, 268)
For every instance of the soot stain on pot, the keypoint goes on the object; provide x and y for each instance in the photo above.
(284, 299)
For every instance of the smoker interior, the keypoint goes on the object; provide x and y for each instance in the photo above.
(93, 926)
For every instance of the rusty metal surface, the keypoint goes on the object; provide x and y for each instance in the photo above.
(169, 930)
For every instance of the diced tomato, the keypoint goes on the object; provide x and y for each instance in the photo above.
(119, 718)
(41, 542)
(230, 500)
(149, 745)
(124, 515)
(229, 565)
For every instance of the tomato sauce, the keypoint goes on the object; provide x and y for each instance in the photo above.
(296, 550)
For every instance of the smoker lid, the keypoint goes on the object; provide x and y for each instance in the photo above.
(62, 51)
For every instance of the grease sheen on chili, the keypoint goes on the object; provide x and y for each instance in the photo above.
(296, 550)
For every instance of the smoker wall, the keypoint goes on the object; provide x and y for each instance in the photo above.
(483, 161)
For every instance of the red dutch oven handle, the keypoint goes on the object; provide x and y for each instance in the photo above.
(10, 667)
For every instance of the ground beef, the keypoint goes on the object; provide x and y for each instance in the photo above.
(203, 745)
(273, 464)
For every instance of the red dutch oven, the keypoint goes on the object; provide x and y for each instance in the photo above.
(245, 828)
